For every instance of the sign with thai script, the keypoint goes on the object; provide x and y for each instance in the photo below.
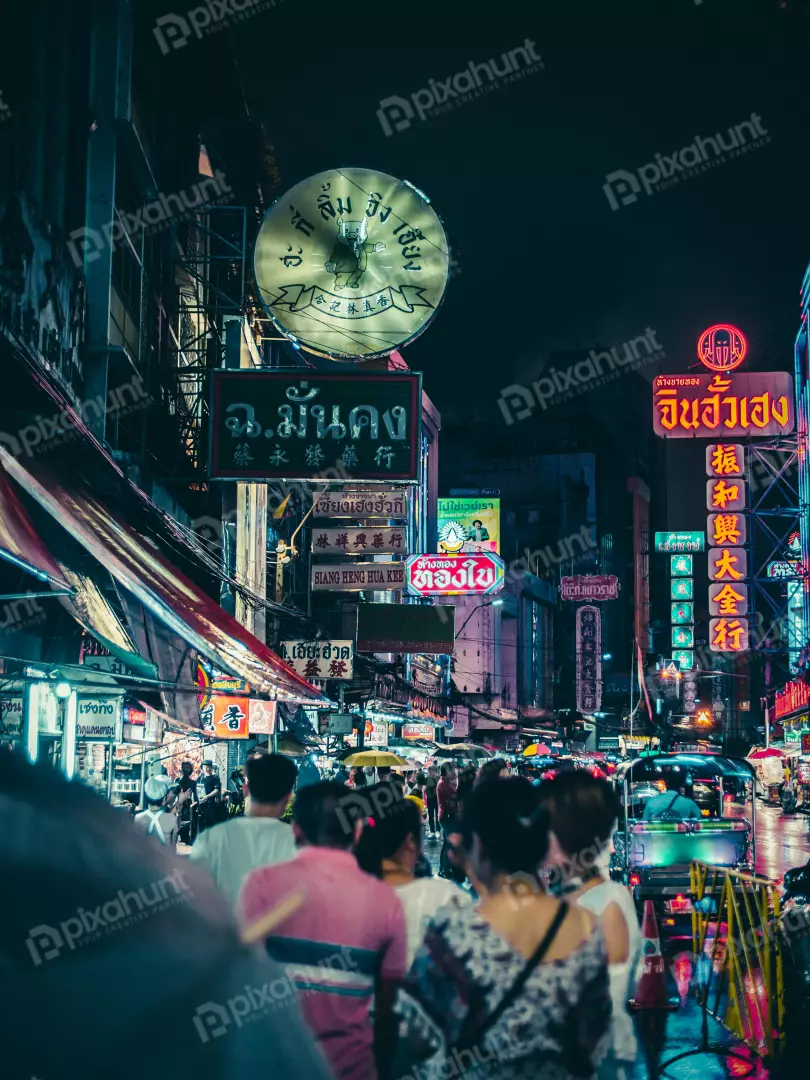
(279, 425)
(590, 587)
(11, 715)
(351, 263)
(379, 540)
(679, 541)
(794, 696)
(705, 406)
(320, 659)
(357, 577)
(385, 503)
(469, 525)
(454, 575)
(99, 718)
(223, 701)
(418, 731)
(784, 568)
(589, 658)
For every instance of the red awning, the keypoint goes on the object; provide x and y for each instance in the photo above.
(182, 606)
(20, 543)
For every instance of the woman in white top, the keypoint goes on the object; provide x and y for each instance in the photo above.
(156, 820)
(582, 812)
(389, 848)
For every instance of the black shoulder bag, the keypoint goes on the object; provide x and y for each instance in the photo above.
(468, 1040)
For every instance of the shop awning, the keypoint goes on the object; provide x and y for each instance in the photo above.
(137, 565)
(20, 543)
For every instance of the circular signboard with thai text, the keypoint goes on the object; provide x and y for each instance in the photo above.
(351, 264)
(722, 347)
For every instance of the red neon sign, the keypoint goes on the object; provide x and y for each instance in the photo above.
(722, 347)
(795, 696)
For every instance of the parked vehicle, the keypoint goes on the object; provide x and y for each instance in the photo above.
(653, 856)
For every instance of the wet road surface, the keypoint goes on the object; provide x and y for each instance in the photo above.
(783, 841)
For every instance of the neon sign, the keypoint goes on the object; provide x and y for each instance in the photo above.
(722, 347)
(728, 635)
(703, 406)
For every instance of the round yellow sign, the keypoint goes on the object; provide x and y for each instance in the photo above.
(351, 263)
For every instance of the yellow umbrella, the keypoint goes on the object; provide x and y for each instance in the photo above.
(537, 750)
(374, 758)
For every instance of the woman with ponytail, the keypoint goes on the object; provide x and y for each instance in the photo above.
(518, 984)
(389, 848)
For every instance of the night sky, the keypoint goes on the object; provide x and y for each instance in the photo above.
(545, 268)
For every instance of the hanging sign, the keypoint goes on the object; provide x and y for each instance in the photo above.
(728, 635)
(385, 503)
(357, 577)
(679, 541)
(351, 263)
(223, 702)
(590, 587)
(99, 718)
(722, 347)
(704, 406)
(11, 715)
(277, 425)
(469, 525)
(725, 459)
(418, 731)
(589, 658)
(261, 717)
(377, 540)
(320, 659)
(454, 575)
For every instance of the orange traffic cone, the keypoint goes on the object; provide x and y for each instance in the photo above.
(651, 990)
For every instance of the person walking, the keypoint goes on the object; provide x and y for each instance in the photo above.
(307, 774)
(341, 775)
(522, 986)
(157, 820)
(231, 850)
(448, 805)
(583, 812)
(431, 801)
(391, 850)
(346, 942)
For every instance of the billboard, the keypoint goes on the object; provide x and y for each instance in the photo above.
(454, 575)
(589, 658)
(320, 659)
(384, 502)
(469, 525)
(357, 577)
(268, 425)
(405, 628)
(590, 587)
(705, 406)
(361, 540)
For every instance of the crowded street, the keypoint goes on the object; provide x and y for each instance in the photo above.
(404, 541)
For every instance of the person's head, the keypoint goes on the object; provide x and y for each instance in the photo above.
(492, 769)
(155, 792)
(271, 779)
(324, 815)
(433, 772)
(208, 768)
(674, 780)
(478, 524)
(420, 779)
(383, 772)
(398, 779)
(394, 837)
(369, 771)
(505, 831)
(583, 810)
(360, 778)
(186, 768)
(466, 781)
(449, 770)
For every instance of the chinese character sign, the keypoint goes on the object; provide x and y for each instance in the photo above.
(725, 459)
(274, 425)
(320, 659)
(726, 530)
(589, 658)
(706, 406)
(378, 540)
(683, 637)
(351, 263)
(680, 565)
(727, 599)
(728, 635)
(682, 589)
(728, 564)
(683, 613)
(725, 495)
(224, 703)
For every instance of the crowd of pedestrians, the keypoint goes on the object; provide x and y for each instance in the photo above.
(516, 961)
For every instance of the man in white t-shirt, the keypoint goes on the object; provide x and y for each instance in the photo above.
(235, 848)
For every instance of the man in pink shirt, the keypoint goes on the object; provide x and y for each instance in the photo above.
(346, 943)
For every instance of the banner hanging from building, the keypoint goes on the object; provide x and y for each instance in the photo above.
(268, 425)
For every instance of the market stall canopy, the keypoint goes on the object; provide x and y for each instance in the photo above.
(461, 750)
(20, 543)
(182, 606)
(760, 755)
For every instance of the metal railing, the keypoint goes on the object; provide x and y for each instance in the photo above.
(738, 953)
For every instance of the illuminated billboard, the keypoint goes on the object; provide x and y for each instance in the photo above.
(469, 525)
(705, 406)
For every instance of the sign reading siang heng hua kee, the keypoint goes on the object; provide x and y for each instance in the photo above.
(358, 577)
(277, 425)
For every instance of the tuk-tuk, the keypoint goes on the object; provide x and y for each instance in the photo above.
(652, 855)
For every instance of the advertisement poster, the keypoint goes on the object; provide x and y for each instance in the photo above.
(469, 525)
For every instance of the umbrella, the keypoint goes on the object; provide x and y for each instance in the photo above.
(375, 758)
(461, 750)
(537, 749)
(758, 755)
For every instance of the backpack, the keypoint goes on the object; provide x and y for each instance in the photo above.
(668, 814)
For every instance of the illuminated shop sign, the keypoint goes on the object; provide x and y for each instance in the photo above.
(703, 406)
(722, 347)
